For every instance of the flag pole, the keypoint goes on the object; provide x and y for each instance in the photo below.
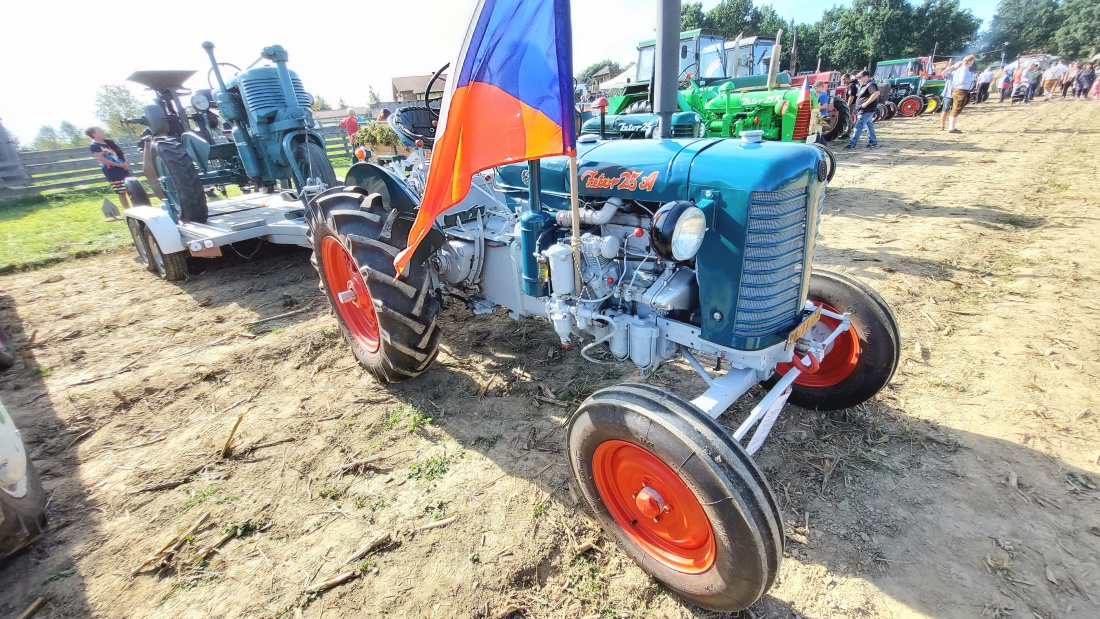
(575, 209)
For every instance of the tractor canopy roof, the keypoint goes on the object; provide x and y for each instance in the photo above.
(687, 35)
(161, 80)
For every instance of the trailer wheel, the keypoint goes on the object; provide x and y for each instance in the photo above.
(171, 267)
(137, 233)
(7, 350)
(389, 323)
(179, 179)
(861, 361)
(910, 106)
(138, 197)
(22, 499)
(314, 164)
(677, 494)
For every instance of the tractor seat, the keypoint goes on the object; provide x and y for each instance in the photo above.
(413, 123)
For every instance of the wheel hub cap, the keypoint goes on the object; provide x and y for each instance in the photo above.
(651, 503)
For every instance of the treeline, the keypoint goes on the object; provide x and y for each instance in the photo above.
(847, 38)
(858, 36)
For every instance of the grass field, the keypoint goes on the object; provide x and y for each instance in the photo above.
(41, 230)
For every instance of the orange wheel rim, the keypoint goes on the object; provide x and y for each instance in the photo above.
(654, 507)
(911, 106)
(841, 358)
(349, 293)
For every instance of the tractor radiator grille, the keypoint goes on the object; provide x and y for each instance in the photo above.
(263, 95)
(802, 120)
(774, 259)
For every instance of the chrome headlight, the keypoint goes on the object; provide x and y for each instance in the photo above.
(677, 231)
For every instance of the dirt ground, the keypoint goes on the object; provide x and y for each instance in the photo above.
(967, 488)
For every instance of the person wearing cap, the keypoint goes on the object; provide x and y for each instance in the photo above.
(866, 104)
(962, 82)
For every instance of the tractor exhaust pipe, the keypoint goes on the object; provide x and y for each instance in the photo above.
(209, 47)
(773, 64)
(667, 68)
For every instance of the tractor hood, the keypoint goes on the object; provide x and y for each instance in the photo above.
(667, 170)
(642, 125)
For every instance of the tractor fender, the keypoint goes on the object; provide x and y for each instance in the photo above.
(376, 179)
(292, 139)
(160, 223)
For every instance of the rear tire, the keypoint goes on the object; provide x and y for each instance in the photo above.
(170, 267)
(720, 543)
(842, 116)
(891, 110)
(138, 197)
(861, 361)
(149, 167)
(179, 178)
(390, 324)
(22, 517)
(910, 106)
(937, 104)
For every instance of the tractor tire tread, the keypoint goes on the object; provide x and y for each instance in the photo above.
(406, 310)
(185, 179)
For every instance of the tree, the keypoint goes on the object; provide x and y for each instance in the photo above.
(1078, 36)
(70, 136)
(372, 95)
(1026, 25)
(114, 103)
(732, 17)
(596, 67)
(319, 104)
(691, 16)
(46, 139)
(945, 26)
(342, 105)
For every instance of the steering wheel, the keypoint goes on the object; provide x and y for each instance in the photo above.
(210, 73)
(434, 112)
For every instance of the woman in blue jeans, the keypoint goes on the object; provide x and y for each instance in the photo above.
(866, 104)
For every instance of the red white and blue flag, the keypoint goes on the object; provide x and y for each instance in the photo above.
(805, 93)
(509, 99)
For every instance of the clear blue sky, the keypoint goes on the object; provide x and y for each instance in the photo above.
(339, 48)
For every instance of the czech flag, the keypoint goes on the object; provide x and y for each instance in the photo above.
(805, 93)
(510, 99)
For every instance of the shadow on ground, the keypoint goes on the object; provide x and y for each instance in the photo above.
(72, 513)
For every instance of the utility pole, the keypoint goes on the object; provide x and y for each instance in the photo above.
(667, 68)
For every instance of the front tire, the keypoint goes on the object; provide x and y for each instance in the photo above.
(138, 197)
(390, 323)
(179, 180)
(861, 361)
(678, 495)
(830, 160)
(314, 164)
(7, 350)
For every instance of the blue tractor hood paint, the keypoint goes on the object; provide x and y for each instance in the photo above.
(666, 170)
(739, 186)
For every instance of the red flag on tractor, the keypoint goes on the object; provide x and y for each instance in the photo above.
(510, 99)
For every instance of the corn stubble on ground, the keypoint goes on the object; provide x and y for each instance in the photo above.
(967, 488)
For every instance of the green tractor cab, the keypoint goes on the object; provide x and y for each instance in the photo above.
(714, 103)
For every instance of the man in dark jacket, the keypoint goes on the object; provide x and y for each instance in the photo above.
(865, 106)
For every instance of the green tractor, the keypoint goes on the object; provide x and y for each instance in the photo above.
(915, 89)
(270, 137)
(711, 103)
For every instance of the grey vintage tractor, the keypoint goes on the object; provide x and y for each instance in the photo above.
(255, 130)
(667, 266)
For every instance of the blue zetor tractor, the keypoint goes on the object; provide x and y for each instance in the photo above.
(694, 251)
(255, 130)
